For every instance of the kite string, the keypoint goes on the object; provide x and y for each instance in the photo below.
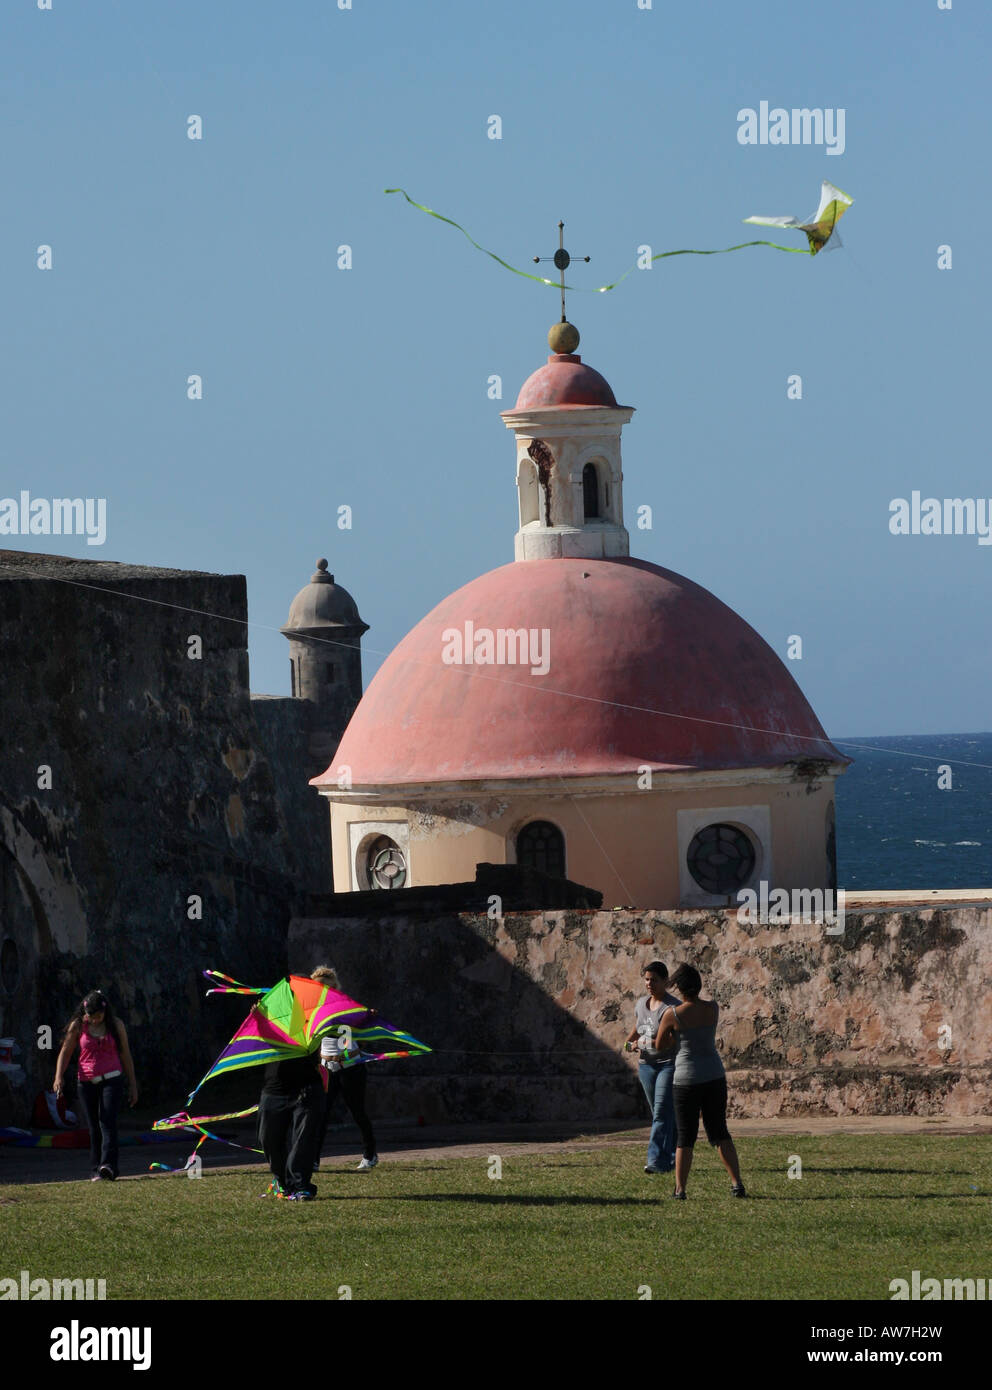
(598, 289)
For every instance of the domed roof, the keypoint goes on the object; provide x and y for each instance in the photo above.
(564, 380)
(644, 666)
(322, 603)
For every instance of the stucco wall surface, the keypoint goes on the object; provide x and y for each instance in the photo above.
(625, 845)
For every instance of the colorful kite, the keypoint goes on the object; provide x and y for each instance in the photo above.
(819, 227)
(289, 1021)
(818, 230)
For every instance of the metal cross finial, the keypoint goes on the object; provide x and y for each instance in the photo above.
(562, 261)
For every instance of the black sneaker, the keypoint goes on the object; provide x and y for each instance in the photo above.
(107, 1173)
(679, 1196)
(738, 1190)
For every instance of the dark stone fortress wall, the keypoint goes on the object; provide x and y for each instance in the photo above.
(286, 734)
(160, 789)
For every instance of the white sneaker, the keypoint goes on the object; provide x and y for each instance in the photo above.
(367, 1164)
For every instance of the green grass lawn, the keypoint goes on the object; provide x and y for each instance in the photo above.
(569, 1225)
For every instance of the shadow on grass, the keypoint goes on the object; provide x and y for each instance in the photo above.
(870, 1197)
(351, 1168)
(884, 1172)
(529, 1200)
(507, 1199)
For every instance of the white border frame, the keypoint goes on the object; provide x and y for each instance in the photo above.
(755, 820)
(359, 831)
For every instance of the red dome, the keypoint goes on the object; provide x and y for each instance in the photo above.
(564, 380)
(644, 667)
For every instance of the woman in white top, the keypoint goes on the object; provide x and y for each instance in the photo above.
(656, 1069)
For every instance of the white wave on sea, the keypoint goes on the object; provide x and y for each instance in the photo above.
(886, 799)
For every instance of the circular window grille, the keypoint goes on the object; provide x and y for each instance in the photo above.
(10, 967)
(721, 859)
(385, 864)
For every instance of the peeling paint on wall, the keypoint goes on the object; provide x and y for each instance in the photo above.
(453, 818)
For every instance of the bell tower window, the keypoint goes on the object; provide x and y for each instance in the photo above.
(530, 501)
(590, 492)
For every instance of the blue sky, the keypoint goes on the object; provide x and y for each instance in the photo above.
(368, 387)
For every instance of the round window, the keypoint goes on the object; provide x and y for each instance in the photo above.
(385, 864)
(721, 859)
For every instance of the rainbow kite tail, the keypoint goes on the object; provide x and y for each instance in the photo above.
(232, 987)
(198, 1123)
(165, 1168)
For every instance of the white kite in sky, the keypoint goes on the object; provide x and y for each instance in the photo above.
(820, 227)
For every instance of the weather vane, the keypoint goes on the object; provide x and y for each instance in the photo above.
(562, 261)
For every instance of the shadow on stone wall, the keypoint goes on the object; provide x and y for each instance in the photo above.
(505, 1049)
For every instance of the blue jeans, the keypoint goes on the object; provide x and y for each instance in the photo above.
(656, 1079)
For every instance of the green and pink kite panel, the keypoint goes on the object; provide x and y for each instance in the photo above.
(289, 1021)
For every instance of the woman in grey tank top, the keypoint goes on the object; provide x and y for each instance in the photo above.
(700, 1083)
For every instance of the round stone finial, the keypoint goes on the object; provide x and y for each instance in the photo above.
(321, 576)
(563, 337)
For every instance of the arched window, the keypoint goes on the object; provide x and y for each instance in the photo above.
(530, 500)
(590, 491)
(541, 845)
(385, 864)
(721, 858)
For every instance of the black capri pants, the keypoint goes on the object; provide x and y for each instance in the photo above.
(706, 1098)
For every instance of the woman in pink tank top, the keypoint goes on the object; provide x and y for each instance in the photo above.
(104, 1061)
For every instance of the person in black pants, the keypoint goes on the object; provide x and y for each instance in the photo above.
(351, 1084)
(700, 1082)
(104, 1060)
(290, 1125)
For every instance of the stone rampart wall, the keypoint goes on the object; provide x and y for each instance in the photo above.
(528, 1014)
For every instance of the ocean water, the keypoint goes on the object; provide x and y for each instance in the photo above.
(897, 829)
